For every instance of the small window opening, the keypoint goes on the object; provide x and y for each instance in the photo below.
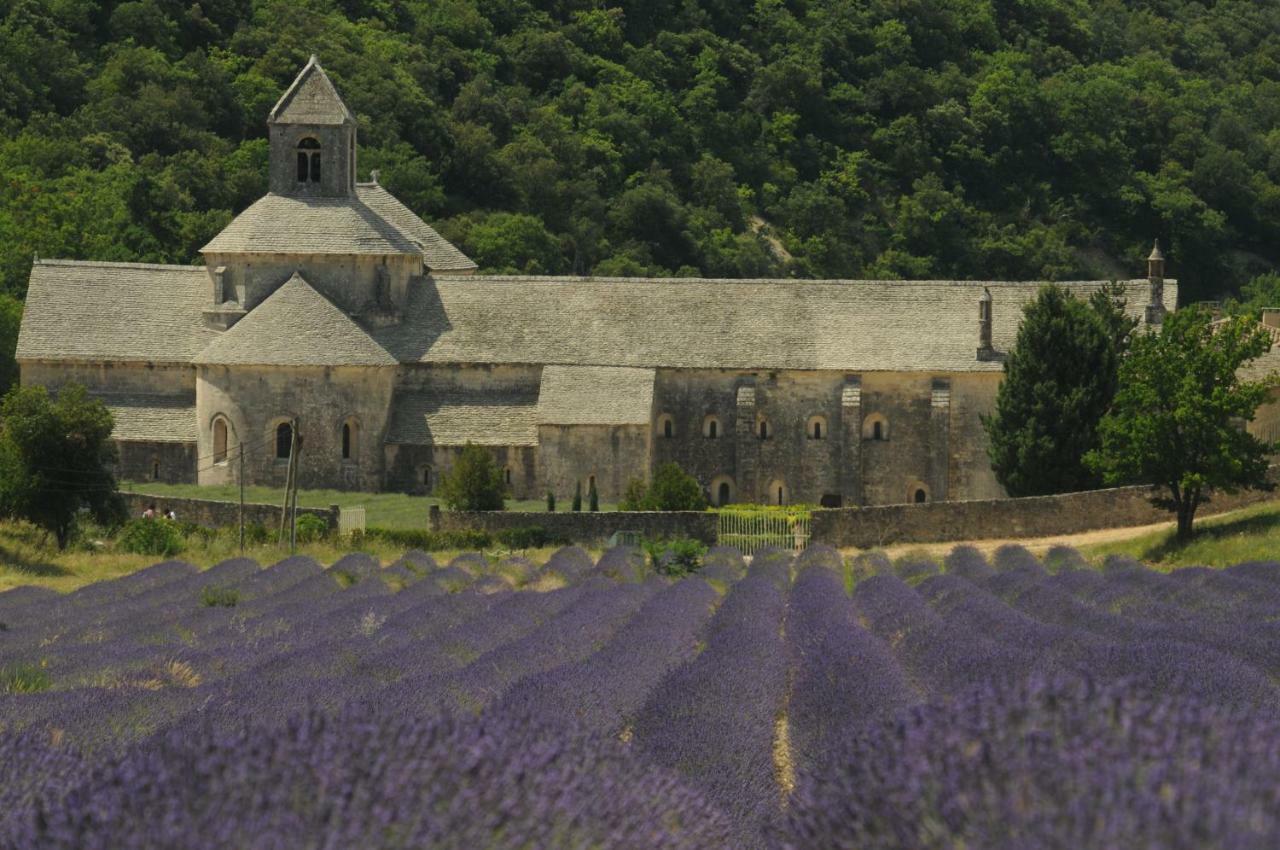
(155, 470)
(426, 478)
(507, 473)
(764, 430)
(220, 441)
(308, 161)
(284, 440)
(723, 494)
(667, 429)
(921, 497)
(780, 496)
(346, 441)
(817, 430)
(712, 428)
(877, 431)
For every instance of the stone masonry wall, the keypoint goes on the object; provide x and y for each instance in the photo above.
(1036, 516)
(211, 514)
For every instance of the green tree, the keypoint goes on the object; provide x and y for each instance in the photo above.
(1058, 382)
(56, 457)
(593, 497)
(673, 489)
(1178, 418)
(475, 483)
(10, 322)
(576, 506)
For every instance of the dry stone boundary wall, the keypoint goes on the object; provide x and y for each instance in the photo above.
(585, 526)
(212, 514)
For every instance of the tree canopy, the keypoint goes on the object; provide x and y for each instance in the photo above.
(926, 138)
(56, 457)
(475, 483)
(1178, 420)
(1059, 380)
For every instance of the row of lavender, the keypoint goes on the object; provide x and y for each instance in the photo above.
(980, 705)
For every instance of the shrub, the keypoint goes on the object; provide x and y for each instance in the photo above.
(427, 541)
(23, 679)
(311, 528)
(151, 537)
(673, 489)
(256, 534)
(475, 483)
(677, 557)
(635, 496)
(215, 596)
(529, 537)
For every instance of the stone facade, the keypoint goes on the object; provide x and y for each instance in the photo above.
(329, 306)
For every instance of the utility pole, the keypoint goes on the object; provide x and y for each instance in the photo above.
(290, 474)
(293, 524)
(241, 497)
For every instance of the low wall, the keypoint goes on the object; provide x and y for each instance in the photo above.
(213, 514)
(585, 526)
(1034, 516)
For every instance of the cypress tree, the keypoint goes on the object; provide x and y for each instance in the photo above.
(577, 497)
(1059, 381)
(593, 498)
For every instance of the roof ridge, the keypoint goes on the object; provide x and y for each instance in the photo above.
(758, 281)
(122, 265)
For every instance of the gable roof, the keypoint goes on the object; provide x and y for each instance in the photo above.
(595, 395)
(427, 417)
(716, 324)
(295, 326)
(311, 99)
(132, 312)
(151, 418)
(438, 253)
(372, 222)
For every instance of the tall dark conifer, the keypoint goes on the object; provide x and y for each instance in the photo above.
(1059, 381)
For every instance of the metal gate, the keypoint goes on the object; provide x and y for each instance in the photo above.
(750, 530)
(350, 519)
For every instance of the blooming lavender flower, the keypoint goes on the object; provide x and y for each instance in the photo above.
(622, 563)
(357, 780)
(1049, 762)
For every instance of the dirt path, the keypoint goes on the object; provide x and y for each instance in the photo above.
(1037, 545)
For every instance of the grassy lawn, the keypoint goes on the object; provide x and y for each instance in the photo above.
(1249, 534)
(385, 510)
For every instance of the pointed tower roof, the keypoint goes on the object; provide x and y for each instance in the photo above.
(312, 99)
(295, 326)
(1156, 254)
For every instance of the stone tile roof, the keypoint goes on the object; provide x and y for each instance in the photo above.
(438, 253)
(311, 99)
(295, 326)
(716, 324)
(595, 395)
(152, 418)
(373, 222)
(455, 418)
(131, 312)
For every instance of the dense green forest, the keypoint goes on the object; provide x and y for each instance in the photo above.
(891, 138)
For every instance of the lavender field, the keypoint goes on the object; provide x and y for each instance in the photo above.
(1010, 703)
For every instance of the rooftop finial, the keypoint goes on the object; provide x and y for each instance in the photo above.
(1155, 252)
(374, 174)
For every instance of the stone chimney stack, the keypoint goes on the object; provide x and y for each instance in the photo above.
(986, 350)
(1155, 280)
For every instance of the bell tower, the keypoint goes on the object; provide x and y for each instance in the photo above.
(313, 139)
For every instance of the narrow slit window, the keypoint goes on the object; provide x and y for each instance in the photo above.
(346, 441)
(284, 441)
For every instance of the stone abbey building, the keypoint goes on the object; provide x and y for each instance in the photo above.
(329, 304)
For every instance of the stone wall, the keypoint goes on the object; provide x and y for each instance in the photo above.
(1037, 516)
(168, 463)
(584, 527)
(569, 455)
(211, 514)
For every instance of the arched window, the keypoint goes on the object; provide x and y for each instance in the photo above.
(816, 428)
(346, 441)
(777, 493)
(764, 429)
(507, 474)
(284, 441)
(426, 478)
(666, 426)
(875, 427)
(219, 440)
(308, 161)
(711, 428)
(921, 496)
(155, 470)
(723, 495)
(722, 490)
(667, 429)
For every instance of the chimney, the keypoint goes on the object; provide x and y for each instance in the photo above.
(986, 351)
(219, 285)
(1155, 280)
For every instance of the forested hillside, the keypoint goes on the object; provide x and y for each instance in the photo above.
(916, 138)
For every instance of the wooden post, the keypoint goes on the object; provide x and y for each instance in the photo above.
(288, 480)
(293, 520)
(241, 497)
